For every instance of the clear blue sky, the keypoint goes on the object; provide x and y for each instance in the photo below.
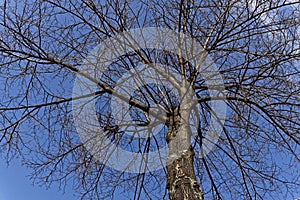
(15, 185)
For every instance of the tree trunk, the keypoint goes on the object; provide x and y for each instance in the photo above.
(181, 180)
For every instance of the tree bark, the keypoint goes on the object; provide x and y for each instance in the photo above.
(181, 179)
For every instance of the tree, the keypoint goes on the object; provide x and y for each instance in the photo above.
(254, 47)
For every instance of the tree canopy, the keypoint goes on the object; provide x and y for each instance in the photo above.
(254, 46)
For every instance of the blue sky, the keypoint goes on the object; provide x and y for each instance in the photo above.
(16, 185)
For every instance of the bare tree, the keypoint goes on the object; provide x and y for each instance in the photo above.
(255, 48)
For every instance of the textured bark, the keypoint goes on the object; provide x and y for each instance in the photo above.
(181, 180)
